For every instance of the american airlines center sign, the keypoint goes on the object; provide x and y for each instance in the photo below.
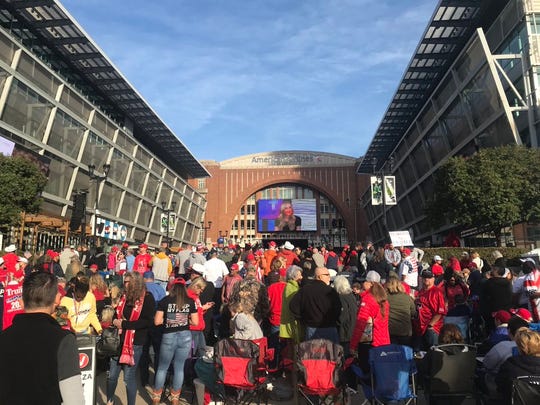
(303, 159)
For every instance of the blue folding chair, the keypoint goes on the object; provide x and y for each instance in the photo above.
(393, 371)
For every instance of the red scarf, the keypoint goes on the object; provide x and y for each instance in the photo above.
(127, 349)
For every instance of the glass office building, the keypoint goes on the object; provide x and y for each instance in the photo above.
(472, 83)
(62, 100)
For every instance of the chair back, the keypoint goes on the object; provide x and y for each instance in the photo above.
(266, 354)
(392, 367)
(526, 390)
(319, 364)
(236, 362)
(452, 369)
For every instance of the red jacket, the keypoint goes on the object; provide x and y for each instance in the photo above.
(370, 308)
(290, 257)
(275, 296)
(200, 326)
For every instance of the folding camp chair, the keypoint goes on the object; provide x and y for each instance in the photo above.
(526, 390)
(237, 363)
(266, 354)
(320, 378)
(451, 371)
(393, 371)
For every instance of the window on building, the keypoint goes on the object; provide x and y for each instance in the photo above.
(201, 184)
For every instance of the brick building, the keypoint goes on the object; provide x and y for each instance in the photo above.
(237, 184)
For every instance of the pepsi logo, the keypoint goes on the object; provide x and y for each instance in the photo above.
(83, 360)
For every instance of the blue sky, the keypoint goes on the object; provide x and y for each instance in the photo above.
(234, 77)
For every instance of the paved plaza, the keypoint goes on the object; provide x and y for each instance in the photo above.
(189, 397)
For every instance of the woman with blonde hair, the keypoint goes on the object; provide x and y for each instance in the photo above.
(287, 221)
(526, 363)
(73, 268)
(243, 323)
(134, 314)
(402, 311)
(194, 291)
(100, 291)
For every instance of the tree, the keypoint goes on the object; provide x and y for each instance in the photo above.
(492, 189)
(21, 184)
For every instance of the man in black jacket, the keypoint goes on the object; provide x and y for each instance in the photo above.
(318, 306)
(496, 293)
(40, 362)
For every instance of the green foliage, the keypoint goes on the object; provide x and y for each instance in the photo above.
(21, 183)
(492, 189)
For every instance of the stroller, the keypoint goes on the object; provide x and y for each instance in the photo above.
(320, 372)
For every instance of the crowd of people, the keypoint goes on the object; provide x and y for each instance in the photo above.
(179, 304)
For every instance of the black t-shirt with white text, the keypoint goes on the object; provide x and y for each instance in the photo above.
(175, 319)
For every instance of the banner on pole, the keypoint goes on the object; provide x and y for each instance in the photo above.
(168, 221)
(376, 190)
(390, 190)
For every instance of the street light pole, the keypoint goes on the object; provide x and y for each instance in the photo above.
(167, 212)
(98, 179)
(205, 228)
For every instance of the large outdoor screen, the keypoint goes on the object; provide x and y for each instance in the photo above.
(287, 215)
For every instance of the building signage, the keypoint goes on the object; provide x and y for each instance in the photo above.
(111, 230)
(286, 159)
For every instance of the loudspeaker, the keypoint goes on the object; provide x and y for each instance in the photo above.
(79, 211)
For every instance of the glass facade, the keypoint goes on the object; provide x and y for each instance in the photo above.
(471, 108)
(53, 117)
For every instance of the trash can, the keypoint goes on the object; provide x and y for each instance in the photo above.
(87, 363)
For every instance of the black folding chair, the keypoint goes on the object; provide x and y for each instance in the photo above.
(451, 374)
(526, 390)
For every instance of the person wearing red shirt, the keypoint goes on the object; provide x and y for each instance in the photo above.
(453, 286)
(374, 305)
(431, 310)
(436, 268)
(275, 296)
(10, 258)
(142, 260)
(287, 253)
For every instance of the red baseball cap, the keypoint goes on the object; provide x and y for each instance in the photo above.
(143, 246)
(522, 313)
(272, 243)
(502, 316)
(179, 280)
(235, 266)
